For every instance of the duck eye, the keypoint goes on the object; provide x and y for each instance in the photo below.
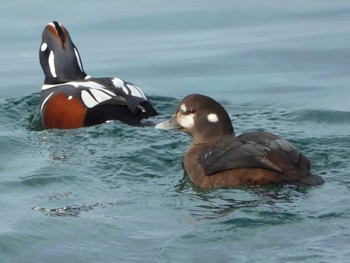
(191, 111)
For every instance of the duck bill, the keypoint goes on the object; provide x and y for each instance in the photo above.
(170, 124)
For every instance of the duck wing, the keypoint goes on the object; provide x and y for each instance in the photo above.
(96, 92)
(231, 153)
(274, 143)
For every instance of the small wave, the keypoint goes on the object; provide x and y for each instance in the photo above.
(322, 116)
(22, 112)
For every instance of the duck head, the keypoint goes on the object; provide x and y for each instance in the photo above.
(59, 58)
(202, 117)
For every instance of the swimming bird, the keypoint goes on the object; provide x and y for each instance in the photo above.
(71, 99)
(217, 158)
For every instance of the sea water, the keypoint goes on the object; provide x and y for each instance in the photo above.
(116, 193)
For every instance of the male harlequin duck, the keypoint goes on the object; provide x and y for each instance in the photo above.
(217, 158)
(71, 99)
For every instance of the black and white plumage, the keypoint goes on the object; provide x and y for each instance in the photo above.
(71, 99)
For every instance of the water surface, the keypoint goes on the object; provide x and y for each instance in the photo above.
(115, 193)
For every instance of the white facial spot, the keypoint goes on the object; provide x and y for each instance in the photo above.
(186, 121)
(43, 47)
(78, 59)
(212, 117)
(183, 107)
(52, 64)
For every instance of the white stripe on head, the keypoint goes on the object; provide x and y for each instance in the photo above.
(52, 64)
(78, 59)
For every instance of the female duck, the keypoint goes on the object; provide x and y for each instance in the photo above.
(217, 158)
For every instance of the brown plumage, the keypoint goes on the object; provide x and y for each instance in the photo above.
(217, 158)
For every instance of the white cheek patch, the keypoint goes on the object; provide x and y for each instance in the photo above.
(43, 47)
(52, 64)
(186, 121)
(212, 117)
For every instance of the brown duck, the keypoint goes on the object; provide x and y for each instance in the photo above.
(217, 158)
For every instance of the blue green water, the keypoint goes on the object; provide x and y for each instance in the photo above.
(115, 193)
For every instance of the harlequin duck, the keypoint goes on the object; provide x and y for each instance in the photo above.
(217, 158)
(71, 99)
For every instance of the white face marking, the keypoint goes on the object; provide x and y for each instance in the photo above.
(186, 121)
(183, 107)
(43, 47)
(78, 59)
(212, 117)
(52, 64)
